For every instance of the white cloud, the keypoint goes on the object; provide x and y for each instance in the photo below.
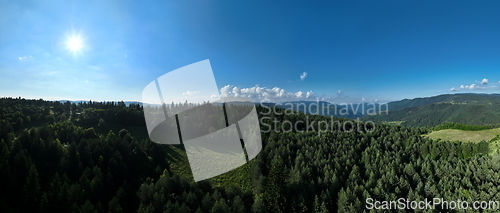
(258, 94)
(25, 58)
(303, 76)
(472, 86)
(309, 94)
(484, 81)
(190, 93)
(299, 94)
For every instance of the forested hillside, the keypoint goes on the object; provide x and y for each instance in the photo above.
(96, 157)
(341, 110)
(463, 98)
(468, 109)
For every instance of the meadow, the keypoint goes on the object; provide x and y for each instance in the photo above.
(464, 135)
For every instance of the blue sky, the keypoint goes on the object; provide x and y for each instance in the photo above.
(339, 51)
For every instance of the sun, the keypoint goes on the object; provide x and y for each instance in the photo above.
(74, 43)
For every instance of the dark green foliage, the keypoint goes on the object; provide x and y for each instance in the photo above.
(439, 113)
(464, 98)
(54, 163)
(459, 126)
(468, 109)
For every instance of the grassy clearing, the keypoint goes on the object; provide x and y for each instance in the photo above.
(471, 136)
(393, 123)
(179, 163)
(465, 136)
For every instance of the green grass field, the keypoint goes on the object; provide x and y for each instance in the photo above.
(470, 136)
(465, 136)
(393, 123)
(179, 163)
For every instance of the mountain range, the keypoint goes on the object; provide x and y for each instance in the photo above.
(466, 108)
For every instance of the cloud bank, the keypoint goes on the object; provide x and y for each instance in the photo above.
(264, 94)
(474, 86)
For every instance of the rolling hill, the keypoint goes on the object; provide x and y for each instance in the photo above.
(470, 109)
(342, 110)
(463, 98)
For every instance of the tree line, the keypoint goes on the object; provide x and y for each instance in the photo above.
(51, 162)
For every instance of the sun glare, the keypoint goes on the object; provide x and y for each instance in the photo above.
(74, 44)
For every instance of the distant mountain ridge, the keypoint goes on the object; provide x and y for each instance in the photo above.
(465, 98)
(350, 111)
(467, 108)
(342, 110)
